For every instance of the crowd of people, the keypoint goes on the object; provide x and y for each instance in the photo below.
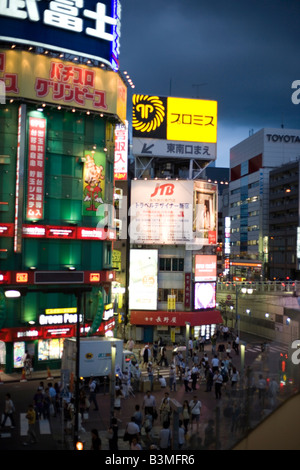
(191, 371)
(194, 370)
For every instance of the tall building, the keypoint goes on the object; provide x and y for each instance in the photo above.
(284, 222)
(251, 162)
(173, 220)
(63, 99)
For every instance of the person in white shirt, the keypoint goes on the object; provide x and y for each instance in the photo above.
(195, 409)
(218, 381)
(215, 363)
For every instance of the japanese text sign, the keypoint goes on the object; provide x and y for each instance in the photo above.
(36, 165)
(81, 27)
(174, 119)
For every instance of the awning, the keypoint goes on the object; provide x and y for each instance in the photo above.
(160, 317)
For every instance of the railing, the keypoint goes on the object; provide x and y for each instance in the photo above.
(265, 286)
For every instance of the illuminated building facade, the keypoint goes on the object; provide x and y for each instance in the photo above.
(57, 141)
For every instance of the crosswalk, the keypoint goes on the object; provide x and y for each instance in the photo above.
(42, 424)
(271, 348)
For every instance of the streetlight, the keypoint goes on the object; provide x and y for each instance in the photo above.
(243, 290)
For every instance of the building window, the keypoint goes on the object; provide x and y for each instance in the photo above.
(163, 294)
(171, 264)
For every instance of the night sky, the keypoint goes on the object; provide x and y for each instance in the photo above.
(243, 54)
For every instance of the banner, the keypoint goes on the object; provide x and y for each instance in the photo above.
(93, 182)
(50, 80)
(36, 168)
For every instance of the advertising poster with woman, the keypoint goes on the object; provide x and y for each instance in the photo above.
(205, 213)
(93, 182)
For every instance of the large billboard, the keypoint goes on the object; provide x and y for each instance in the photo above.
(170, 211)
(85, 28)
(205, 267)
(143, 279)
(176, 127)
(61, 83)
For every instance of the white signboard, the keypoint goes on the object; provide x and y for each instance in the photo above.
(161, 211)
(143, 279)
(175, 149)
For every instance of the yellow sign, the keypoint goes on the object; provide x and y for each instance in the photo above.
(51, 80)
(57, 311)
(192, 120)
(174, 119)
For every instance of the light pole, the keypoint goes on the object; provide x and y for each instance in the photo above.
(238, 290)
(112, 381)
(187, 335)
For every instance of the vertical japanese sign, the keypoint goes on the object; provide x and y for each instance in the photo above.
(121, 152)
(20, 179)
(36, 168)
(187, 290)
(93, 182)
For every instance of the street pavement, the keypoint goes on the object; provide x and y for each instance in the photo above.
(211, 407)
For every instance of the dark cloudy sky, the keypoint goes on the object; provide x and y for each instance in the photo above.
(244, 54)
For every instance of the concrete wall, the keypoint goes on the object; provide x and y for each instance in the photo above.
(279, 431)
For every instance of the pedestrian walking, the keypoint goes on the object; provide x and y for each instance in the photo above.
(186, 415)
(181, 435)
(155, 352)
(118, 404)
(149, 404)
(172, 378)
(195, 408)
(96, 441)
(165, 437)
(209, 378)
(194, 376)
(52, 394)
(92, 396)
(234, 377)
(262, 387)
(163, 357)
(9, 409)
(38, 401)
(218, 381)
(138, 416)
(273, 392)
(31, 419)
(132, 430)
(113, 436)
(150, 373)
(186, 380)
(165, 409)
(146, 355)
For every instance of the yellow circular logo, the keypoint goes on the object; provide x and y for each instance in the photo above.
(148, 113)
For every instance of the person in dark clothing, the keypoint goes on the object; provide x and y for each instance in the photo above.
(113, 435)
(96, 441)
